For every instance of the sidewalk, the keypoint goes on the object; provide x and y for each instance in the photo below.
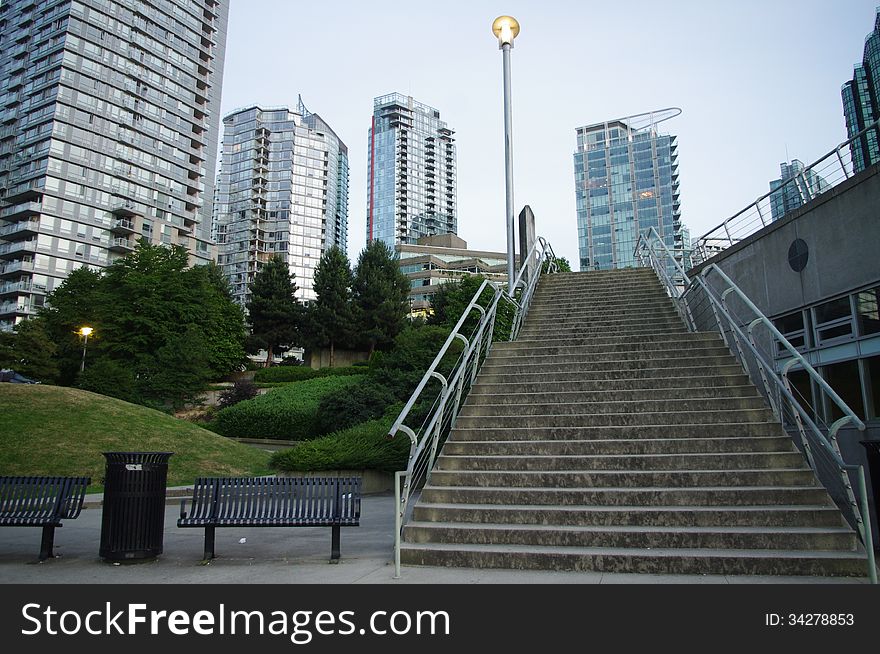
(281, 555)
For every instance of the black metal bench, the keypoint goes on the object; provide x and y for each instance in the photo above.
(41, 502)
(273, 502)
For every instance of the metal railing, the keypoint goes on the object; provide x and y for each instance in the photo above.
(437, 399)
(833, 168)
(706, 303)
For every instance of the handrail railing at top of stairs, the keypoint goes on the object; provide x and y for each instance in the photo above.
(424, 444)
(646, 254)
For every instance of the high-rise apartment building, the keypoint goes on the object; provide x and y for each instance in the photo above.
(411, 176)
(108, 130)
(282, 189)
(626, 180)
(860, 102)
(796, 186)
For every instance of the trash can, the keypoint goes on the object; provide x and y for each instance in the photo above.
(133, 519)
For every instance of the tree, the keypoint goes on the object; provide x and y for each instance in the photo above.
(381, 293)
(222, 320)
(274, 313)
(29, 351)
(72, 305)
(332, 314)
(453, 297)
(562, 264)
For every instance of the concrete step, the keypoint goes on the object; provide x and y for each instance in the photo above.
(596, 330)
(622, 463)
(543, 347)
(563, 305)
(580, 354)
(657, 516)
(478, 395)
(642, 536)
(575, 383)
(730, 417)
(630, 560)
(619, 447)
(605, 319)
(617, 479)
(619, 367)
(644, 497)
(479, 430)
(714, 404)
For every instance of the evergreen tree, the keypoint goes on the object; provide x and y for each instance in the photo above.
(332, 314)
(381, 296)
(274, 313)
(29, 351)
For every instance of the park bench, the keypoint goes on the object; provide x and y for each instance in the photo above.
(41, 502)
(273, 502)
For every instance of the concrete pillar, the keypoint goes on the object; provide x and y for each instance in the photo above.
(526, 239)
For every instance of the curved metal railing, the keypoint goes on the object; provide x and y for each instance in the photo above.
(706, 308)
(450, 376)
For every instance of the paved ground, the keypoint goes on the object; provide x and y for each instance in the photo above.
(281, 555)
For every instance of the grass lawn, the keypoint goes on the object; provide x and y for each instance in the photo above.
(50, 430)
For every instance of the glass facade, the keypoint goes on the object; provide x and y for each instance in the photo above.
(795, 187)
(108, 125)
(411, 172)
(282, 189)
(860, 102)
(626, 180)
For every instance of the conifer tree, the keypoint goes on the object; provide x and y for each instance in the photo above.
(274, 313)
(381, 296)
(332, 313)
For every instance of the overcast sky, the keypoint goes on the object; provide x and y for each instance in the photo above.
(756, 79)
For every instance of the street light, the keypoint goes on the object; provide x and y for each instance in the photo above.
(506, 28)
(85, 332)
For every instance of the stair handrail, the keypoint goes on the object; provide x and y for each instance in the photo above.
(647, 256)
(475, 349)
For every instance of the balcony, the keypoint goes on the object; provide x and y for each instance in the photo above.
(21, 192)
(16, 308)
(12, 250)
(15, 288)
(125, 208)
(123, 226)
(20, 211)
(19, 230)
(16, 267)
(121, 245)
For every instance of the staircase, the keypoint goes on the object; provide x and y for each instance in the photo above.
(608, 438)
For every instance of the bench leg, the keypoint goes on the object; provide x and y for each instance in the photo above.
(334, 545)
(47, 544)
(209, 543)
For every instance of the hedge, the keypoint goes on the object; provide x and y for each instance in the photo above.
(289, 412)
(362, 447)
(278, 374)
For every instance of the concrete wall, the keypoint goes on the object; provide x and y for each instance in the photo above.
(842, 231)
(341, 358)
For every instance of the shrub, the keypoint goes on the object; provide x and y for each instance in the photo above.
(289, 412)
(243, 389)
(109, 378)
(362, 447)
(349, 406)
(284, 374)
(343, 372)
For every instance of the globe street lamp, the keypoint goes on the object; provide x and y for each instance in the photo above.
(85, 332)
(506, 28)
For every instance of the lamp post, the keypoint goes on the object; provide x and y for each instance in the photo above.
(85, 332)
(506, 28)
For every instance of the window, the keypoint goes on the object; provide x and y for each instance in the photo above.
(833, 321)
(792, 327)
(872, 385)
(867, 312)
(844, 378)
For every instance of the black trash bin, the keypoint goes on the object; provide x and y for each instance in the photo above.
(133, 520)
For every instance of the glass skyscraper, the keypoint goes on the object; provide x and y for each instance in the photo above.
(860, 102)
(282, 189)
(108, 128)
(796, 186)
(411, 177)
(626, 180)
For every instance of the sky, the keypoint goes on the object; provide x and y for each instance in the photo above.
(758, 82)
